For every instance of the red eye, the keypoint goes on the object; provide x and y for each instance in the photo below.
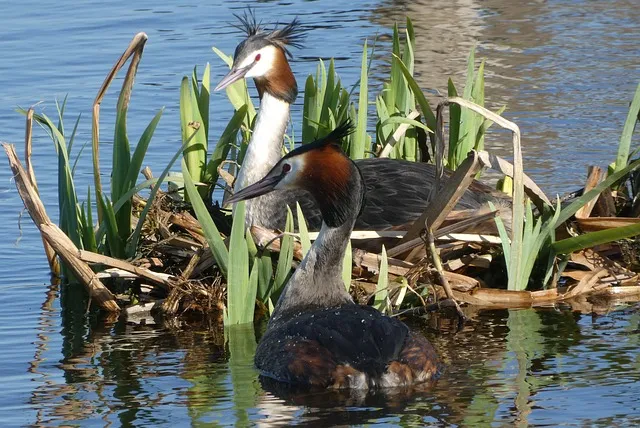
(257, 58)
(286, 168)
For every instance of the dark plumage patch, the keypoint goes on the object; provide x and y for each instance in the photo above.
(307, 347)
(418, 355)
(309, 362)
(396, 194)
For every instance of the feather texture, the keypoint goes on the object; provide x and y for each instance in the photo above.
(396, 194)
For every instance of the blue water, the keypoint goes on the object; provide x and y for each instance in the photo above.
(566, 70)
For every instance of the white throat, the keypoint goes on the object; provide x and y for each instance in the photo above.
(263, 152)
(265, 146)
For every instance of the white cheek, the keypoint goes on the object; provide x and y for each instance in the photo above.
(262, 67)
(289, 180)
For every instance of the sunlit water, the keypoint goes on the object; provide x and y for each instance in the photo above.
(565, 69)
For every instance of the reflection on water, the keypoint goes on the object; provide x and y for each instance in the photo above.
(515, 366)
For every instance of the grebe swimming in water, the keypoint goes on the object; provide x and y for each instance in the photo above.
(317, 335)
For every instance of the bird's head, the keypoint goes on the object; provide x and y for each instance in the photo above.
(321, 168)
(263, 54)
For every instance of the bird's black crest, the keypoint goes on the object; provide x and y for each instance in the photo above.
(248, 23)
(341, 131)
(291, 34)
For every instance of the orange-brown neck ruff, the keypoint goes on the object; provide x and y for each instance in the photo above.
(333, 180)
(280, 81)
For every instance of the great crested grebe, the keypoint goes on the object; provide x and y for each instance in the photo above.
(317, 335)
(398, 190)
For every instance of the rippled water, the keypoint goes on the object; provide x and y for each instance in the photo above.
(565, 69)
(542, 367)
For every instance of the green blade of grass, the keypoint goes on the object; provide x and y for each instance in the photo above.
(591, 239)
(140, 151)
(218, 249)
(359, 140)
(192, 130)
(455, 112)
(629, 126)
(304, 231)
(382, 287)
(309, 127)
(227, 139)
(419, 95)
(285, 258)
(114, 241)
(203, 98)
(265, 280)
(238, 306)
(89, 236)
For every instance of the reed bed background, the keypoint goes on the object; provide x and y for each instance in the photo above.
(168, 243)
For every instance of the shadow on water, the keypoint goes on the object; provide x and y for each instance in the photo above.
(508, 366)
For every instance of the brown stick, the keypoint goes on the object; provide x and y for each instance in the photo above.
(90, 257)
(54, 264)
(443, 279)
(445, 200)
(594, 177)
(60, 242)
(29, 196)
(66, 249)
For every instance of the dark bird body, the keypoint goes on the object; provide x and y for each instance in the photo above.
(317, 335)
(397, 194)
(397, 191)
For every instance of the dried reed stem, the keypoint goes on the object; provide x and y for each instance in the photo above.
(90, 257)
(54, 264)
(52, 234)
(443, 279)
(135, 48)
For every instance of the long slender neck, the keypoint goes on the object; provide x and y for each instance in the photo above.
(263, 152)
(317, 282)
(265, 146)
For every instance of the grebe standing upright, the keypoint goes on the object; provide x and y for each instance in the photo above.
(317, 335)
(398, 190)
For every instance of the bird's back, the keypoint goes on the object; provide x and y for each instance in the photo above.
(315, 347)
(396, 194)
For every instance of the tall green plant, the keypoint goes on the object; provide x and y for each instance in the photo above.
(194, 121)
(126, 167)
(73, 218)
(397, 101)
(624, 146)
(326, 102)
(467, 128)
(241, 284)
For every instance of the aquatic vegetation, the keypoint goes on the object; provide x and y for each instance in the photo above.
(217, 263)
